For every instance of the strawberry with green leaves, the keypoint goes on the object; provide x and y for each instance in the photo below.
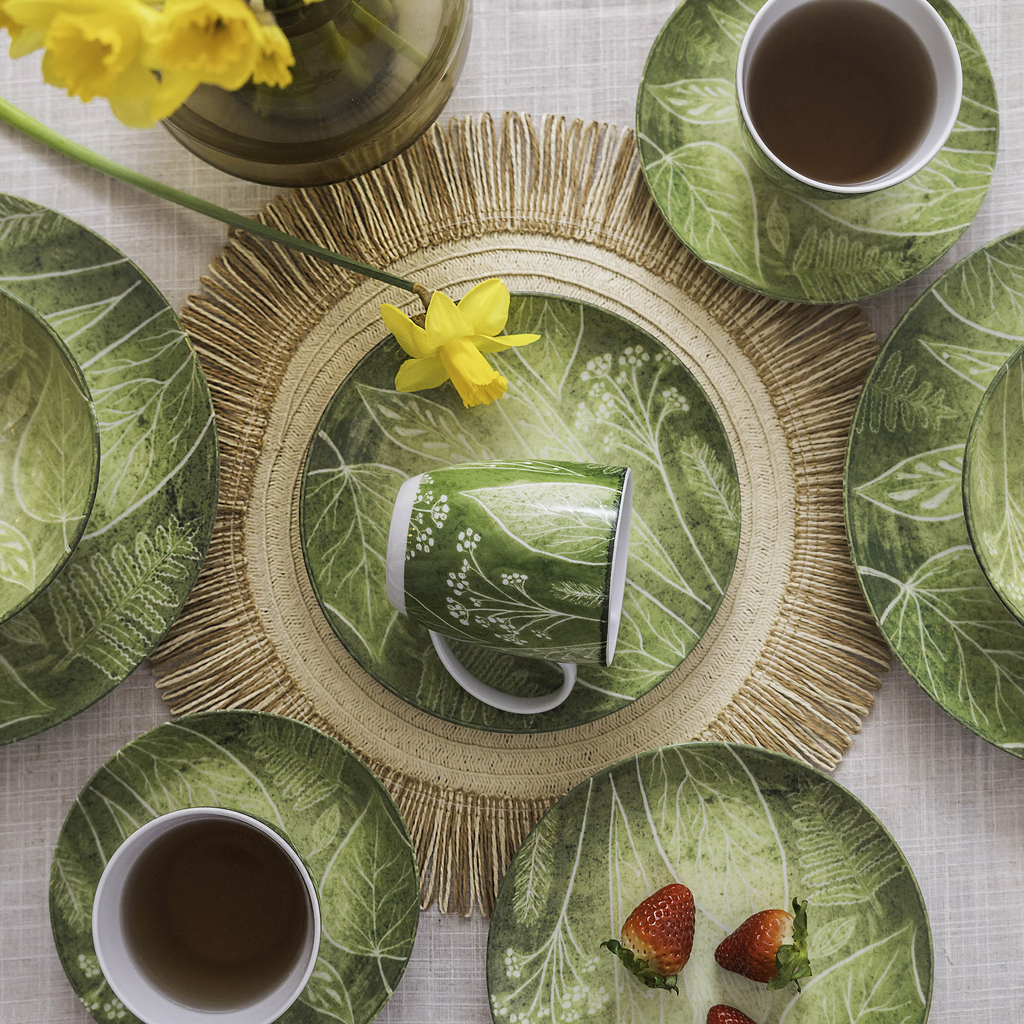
(722, 1014)
(770, 946)
(656, 939)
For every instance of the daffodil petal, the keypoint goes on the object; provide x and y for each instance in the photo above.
(420, 374)
(476, 381)
(410, 336)
(487, 306)
(502, 341)
(445, 321)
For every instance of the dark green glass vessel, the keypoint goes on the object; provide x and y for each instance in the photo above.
(370, 77)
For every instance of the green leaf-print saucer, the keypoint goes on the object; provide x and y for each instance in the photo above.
(746, 830)
(49, 454)
(153, 516)
(994, 483)
(338, 816)
(904, 504)
(737, 220)
(596, 389)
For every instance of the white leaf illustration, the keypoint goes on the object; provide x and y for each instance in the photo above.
(710, 200)
(712, 480)
(830, 938)
(532, 877)
(735, 28)
(72, 890)
(570, 522)
(148, 407)
(111, 608)
(868, 986)
(698, 100)
(845, 858)
(17, 562)
(924, 487)
(326, 830)
(974, 365)
(24, 223)
(956, 637)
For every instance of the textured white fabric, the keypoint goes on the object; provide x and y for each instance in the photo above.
(955, 804)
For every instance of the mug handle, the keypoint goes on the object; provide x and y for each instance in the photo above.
(498, 698)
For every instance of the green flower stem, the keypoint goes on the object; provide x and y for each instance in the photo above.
(18, 119)
(363, 17)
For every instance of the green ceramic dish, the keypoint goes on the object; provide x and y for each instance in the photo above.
(904, 505)
(738, 220)
(333, 809)
(157, 495)
(746, 830)
(49, 455)
(994, 483)
(595, 388)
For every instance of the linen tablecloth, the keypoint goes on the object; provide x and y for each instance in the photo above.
(954, 803)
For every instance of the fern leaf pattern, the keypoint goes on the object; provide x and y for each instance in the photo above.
(712, 480)
(895, 397)
(23, 222)
(112, 609)
(532, 877)
(72, 891)
(844, 857)
(579, 593)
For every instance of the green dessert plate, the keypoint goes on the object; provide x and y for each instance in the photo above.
(595, 388)
(746, 830)
(337, 815)
(737, 220)
(153, 516)
(49, 454)
(904, 504)
(994, 483)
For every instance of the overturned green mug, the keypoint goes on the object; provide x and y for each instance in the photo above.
(524, 557)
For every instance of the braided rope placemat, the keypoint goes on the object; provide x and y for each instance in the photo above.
(793, 657)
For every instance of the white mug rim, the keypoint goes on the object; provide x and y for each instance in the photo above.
(898, 174)
(266, 1010)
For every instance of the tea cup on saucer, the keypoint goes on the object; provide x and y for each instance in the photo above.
(845, 98)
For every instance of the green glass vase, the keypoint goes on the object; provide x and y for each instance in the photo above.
(370, 77)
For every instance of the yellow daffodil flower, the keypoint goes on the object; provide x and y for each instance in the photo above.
(452, 342)
(87, 52)
(275, 58)
(219, 41)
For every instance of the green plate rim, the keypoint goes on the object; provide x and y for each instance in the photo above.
(741, 747)
(637, 120)
(202, 538)
(304, 475)
(847, 502)
(360, 766)
(970, 453)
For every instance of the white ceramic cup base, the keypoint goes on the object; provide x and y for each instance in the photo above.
(134, 987)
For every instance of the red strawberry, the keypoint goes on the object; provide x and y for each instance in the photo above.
(770, 946)
(657, 937)
(722, 1014)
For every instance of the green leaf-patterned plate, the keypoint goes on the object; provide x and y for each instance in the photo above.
(994, 483)
(49, 454)
(595, 388)
(734, 218)
(746, 830)
(338, 816)
(152, 520)
(904, 503)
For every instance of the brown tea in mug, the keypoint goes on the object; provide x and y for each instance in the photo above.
(215, 913)
(842, 91)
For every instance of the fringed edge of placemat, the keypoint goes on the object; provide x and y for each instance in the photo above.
(812, 684)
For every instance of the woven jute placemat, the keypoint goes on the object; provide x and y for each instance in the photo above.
(793, 657)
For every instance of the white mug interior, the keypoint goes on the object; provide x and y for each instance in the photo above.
(398, 534)
(926, 23)
(134, 987)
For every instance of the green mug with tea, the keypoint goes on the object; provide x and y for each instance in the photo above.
(843, 98)
(523, 557)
